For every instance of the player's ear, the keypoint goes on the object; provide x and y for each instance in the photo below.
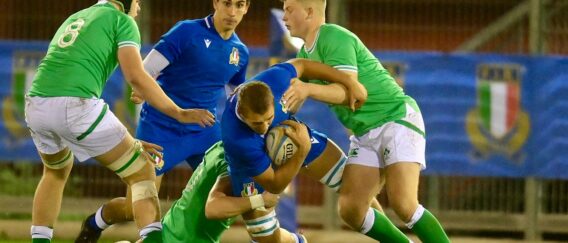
(310, 12)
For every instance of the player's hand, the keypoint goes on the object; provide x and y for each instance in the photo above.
(136, 98)
(298, 132)
(296, 94)
(357, 95)
(199, 116)
(152, 149)
(270, 200)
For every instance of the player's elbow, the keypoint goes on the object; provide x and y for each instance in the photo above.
(275, 189)
(212, 212)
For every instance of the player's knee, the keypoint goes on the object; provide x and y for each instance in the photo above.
(133, 165)
(352, 211)
(404, 208)
(262, 227)
(142, 190)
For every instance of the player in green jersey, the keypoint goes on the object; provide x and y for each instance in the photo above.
(388, 128)
(206, 208)
(67, 117)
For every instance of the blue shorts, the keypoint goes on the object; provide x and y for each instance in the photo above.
(245, 186)
(179, 144)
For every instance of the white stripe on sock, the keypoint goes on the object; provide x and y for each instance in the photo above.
(368, 222)
(416, 216)
(99, 219)
(41, 232)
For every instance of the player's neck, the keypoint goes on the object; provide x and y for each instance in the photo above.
(225, 34)
(311, 37)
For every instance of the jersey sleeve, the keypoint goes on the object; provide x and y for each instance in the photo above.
(249, 157)
(278, 77)
(241, 76)
(127, 33)
(171, 43)
(339, 50)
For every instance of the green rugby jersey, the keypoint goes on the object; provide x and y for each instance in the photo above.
(186, 220)
(83, 53)
(343, 50)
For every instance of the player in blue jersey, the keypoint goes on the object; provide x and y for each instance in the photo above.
(193, 62)
(248, 115)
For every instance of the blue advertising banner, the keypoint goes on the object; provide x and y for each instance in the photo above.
(485, 115)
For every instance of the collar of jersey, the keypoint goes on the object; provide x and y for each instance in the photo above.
(310, 50)
(211, 26)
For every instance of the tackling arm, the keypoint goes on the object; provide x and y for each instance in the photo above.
(220, 205)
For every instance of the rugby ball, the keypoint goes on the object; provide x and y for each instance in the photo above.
(279, 147)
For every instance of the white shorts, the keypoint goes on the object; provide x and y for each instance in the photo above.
(397, 141)
(86, 126)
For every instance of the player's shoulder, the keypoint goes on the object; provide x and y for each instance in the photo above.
(190, 25)
(336, 31)
(237, 41)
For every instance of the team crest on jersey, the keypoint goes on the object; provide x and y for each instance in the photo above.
(397, 70)
(283, 105)
(24, 69)
(498, 125)
(234, 58)
(249, 189)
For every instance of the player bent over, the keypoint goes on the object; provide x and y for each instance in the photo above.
(251, 111)
(67, 117)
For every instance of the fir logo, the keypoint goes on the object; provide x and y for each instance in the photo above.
(23, 71)
(397, 70)
(354, 152)
(234, 58)
(249, 190)
(386, 154)
(498, 125)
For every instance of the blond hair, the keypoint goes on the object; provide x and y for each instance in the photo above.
(318, 5)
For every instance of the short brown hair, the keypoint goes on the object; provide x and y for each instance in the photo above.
(256, 97)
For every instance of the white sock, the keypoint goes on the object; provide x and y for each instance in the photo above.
(41, 232)
(99, 219)
(416, 216)
(369, 221)
(156, 226)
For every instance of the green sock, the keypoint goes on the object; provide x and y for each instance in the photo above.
(381, 228)
(153, 237)
(428, 229)
(40, 240)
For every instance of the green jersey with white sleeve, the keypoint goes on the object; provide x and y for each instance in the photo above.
(343, 50)
(83, 53)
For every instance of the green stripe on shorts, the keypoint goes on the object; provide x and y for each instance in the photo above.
(411, 126)
(94, 125)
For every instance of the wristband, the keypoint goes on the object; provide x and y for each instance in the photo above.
(256, 201)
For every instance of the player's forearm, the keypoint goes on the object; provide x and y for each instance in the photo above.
(226, 207)
(286, 172)
(317, 71)
(330, 94)
(154, 95)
